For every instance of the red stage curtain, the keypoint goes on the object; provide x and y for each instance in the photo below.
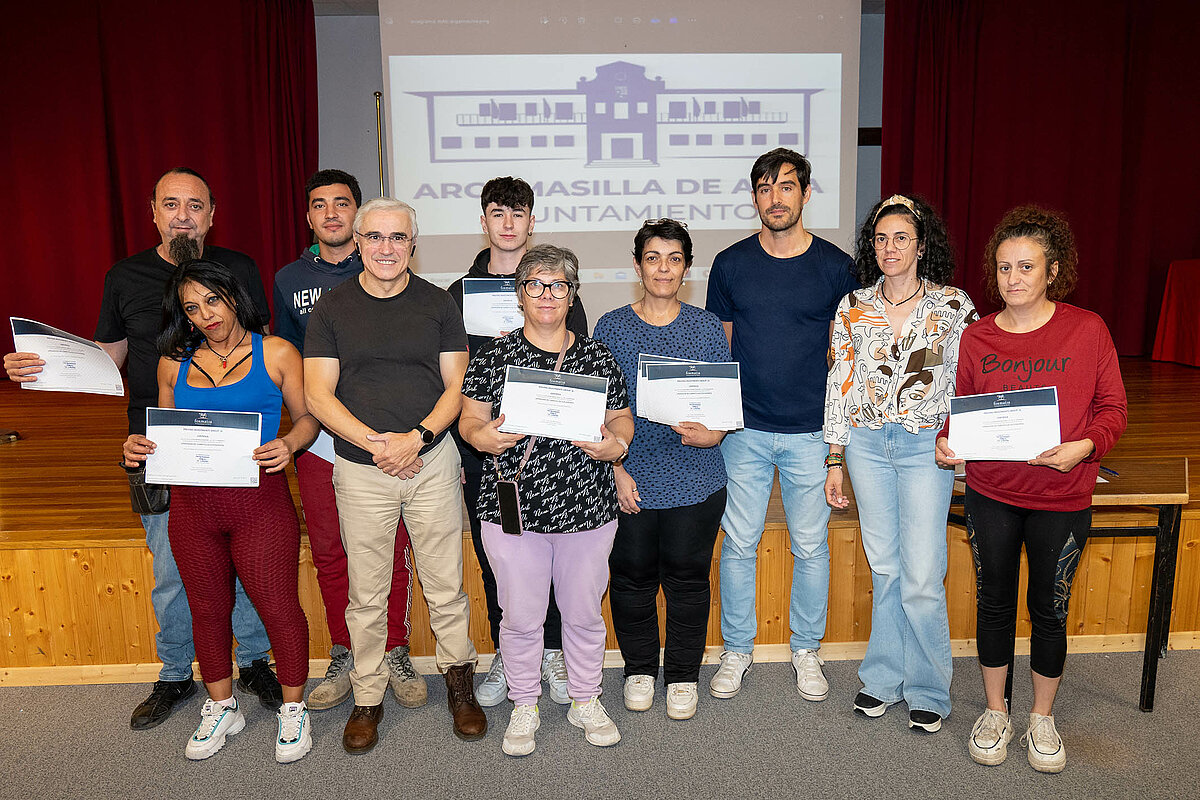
(102, 97)
(1089, 108)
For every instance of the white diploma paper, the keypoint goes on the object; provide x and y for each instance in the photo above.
(710, 394)
(490, 306)
(557, 405)
(72, 364)
(1004, 426)
(202, 448)
(323, 446)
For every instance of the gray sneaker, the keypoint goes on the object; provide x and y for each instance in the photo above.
(494, 688)
(407, 684)
(335, 689)
(554, 673)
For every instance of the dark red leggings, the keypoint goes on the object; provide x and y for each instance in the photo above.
(215, 531)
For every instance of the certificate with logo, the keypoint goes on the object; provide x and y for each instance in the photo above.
(72, 364)
(1004, 426)
(708, 393)
(490, 306)
(557, 405)
(202, 448)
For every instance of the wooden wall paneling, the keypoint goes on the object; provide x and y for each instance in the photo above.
(1120, 585)
(12, 633)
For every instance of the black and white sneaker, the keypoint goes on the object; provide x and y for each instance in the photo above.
(924, 721)
(869, 706)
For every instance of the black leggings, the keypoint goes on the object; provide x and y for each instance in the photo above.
(671, 547)
(1053, 544)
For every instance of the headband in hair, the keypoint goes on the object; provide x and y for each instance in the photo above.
(897, 200)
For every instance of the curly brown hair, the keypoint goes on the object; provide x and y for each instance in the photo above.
(1050, 230)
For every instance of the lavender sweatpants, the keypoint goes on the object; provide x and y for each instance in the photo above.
(524, 567)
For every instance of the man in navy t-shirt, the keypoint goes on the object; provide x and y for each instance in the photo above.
(776, 293)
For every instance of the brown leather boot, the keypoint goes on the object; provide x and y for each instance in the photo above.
(469, 720)
(361, 732)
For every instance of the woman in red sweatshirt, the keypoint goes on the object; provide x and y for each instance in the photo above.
(1044, 504)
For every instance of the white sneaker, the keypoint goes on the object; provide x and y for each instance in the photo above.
(295, 733)
(335, 689)
(216, 722)
(810, 680)
(494, 688)
(639, 692)
(1046, 750)
(554, 672)
(598, 727)
(522, 725)
(728, 680)
(989, 740)
(681, 700)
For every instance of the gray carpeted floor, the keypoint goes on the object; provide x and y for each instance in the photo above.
(68, 742)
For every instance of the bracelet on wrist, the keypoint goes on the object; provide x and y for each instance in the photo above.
(835, 460)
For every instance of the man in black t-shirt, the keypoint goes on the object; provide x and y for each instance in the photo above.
(384, 358)
(130, 316)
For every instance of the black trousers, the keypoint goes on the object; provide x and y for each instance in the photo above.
(1053, 543)
(671, 548)
(552, 636)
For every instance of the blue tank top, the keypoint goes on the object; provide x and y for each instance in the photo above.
(255, 392)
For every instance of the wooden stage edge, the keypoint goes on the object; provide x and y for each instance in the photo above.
(75, 574)
(763, 654)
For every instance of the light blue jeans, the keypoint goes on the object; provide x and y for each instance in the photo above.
(903, 498)
(174, 638)
(750, 459)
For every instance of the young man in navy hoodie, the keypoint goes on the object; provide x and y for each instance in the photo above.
(332, 198)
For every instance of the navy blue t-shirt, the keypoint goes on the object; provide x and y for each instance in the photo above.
(781, 309)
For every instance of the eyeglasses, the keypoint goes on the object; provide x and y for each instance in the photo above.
(900, 241)
(535, 288)
(376, 239)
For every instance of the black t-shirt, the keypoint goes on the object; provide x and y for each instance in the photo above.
(562, 489)
(388, 349)
(131, 308)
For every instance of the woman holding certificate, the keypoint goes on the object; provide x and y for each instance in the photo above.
(671, 488)
(548, 506)
(895, 347)
(212, 360)
(1035, 341)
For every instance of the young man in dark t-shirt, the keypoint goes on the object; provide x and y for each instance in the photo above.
(508, 222)
(332, 198)
(384, 357)
(776, 293)
(182, 207)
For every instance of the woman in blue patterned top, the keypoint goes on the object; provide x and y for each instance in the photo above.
(670, 488)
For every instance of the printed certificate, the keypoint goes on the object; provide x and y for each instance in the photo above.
(710, 394)
(557, 405)
(490, 306)
(202, 448)
(1004, 426)
(72, 364)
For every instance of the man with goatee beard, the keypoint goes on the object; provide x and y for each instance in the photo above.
(130, 316)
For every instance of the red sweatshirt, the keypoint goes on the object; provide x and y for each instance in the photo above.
(1072, 351)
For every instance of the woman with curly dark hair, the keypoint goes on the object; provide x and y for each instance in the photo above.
(1044, 504)
(895, 347)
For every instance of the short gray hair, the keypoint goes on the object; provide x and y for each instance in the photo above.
(548, 258)
(386, 204)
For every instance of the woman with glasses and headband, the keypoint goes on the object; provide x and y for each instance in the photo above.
(1035, 341)
(671, 488)
(548, 507)
(895, 350)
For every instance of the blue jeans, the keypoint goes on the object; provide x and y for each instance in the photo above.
(750, 459)
(903, 498)
(174, 638)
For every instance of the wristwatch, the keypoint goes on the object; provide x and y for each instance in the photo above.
(427, 436)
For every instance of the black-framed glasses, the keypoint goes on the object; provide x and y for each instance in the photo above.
(535, 288)
(375, 239)
(900, 240)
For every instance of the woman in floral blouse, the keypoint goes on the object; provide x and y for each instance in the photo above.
(895, 351)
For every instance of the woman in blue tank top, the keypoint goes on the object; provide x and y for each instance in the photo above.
(213, 360)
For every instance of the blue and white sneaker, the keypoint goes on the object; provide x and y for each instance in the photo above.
(295, 733)
(216, 722)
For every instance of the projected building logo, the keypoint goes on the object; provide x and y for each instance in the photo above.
(620, 117)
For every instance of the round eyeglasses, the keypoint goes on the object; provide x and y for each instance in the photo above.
(900, 241)
(535, 288)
